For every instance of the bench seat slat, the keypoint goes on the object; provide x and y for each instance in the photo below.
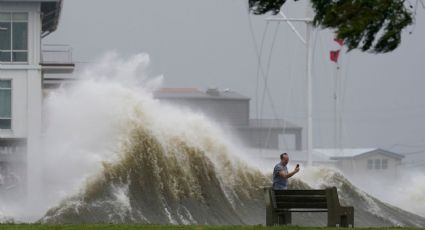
(300, 192)
(300, 199)
(310, 205)
(280, 211)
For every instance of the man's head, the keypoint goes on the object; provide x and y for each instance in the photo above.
(284, 158)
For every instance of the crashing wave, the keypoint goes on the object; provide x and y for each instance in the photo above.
(150, 184)
(167, 164)
(172, 183)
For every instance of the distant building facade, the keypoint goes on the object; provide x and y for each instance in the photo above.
(365, 162)
(231, 109)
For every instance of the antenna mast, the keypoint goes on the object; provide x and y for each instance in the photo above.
(309, 56)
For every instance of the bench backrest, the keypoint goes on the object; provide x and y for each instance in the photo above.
(281, 203)
(299, 199)
(302, 199)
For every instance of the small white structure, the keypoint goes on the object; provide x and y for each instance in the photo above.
(23, 24)
(365, 162)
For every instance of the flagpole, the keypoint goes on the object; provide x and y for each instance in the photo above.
(334, 55)
(309, 56)
(340, 81)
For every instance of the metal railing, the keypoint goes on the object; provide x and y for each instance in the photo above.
(56, 54)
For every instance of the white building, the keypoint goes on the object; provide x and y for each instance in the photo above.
(357, 163)
(372, 162)
(23, 24)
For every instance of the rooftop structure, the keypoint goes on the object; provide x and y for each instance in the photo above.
(231, 109)
(338, 154)
(359, 162)
(194, 93)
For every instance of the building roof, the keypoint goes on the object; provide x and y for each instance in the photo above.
(349, 152)
(51, 13)
(194, 93)
(50, 10)
(337, 154)
(294, 155)
(272, 124)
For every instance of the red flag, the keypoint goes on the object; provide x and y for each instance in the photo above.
(334, 54)
(340, 41)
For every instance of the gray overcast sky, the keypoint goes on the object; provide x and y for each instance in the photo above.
(204, 43)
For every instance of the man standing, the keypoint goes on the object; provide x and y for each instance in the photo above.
(281, 174)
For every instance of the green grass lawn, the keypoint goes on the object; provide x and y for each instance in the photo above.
(148, 226)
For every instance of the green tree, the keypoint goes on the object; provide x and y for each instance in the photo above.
(370, 25)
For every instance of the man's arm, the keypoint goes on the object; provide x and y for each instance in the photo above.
(282, 173)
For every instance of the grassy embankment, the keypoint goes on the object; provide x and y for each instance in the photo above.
(152, 227)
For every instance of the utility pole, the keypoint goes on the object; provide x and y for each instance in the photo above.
(309, 57)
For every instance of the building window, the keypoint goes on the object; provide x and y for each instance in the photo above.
(377, 164)
(384, 163)
(5, 104)
(13, 37)
(369, 164)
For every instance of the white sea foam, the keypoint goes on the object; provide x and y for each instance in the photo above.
(86, 123)
(403, 198)
(406, 191)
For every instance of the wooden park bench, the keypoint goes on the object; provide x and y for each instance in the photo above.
(281, 203)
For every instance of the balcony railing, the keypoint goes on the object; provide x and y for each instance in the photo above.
(57, 58)
(56, 53)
